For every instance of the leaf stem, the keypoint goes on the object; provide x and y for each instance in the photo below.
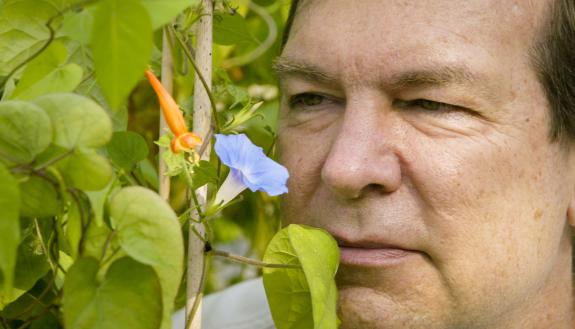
(249, 261)
(196, 304)
(54, 160)
(107, 244)
(190, 183)
(43, 246)
(35, 300)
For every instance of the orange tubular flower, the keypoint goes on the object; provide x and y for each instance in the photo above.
(183, 139)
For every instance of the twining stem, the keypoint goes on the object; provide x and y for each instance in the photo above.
(167, 82)
(249, 261)
(200, 76)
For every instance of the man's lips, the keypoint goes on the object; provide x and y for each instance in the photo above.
(364, 253)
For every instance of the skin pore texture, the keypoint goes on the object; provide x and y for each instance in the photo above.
(421, 126)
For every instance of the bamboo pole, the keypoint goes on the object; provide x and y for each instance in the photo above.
(167, 81)
(202, 122)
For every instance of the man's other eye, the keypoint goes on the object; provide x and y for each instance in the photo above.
(426, 105)
(309, 101)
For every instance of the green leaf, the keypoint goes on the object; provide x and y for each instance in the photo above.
(9, 231)
(73, 219)
(264, 2)
(95, 239)
(48, 74)
(39, 198)
(204, 172)
(149, 174)
(163, 11)
(77, 121)
(231, 29)
(176, 162)
(126, 149)
(31, 265)
(239, 94)
(302, 298)
(62, 79)
(121, 46)
(128, 297)
(98, 201)
(25, 131)
(86, 170)
(51, 58)
(22, 31)
(78, 25)
(48, 321)
(148, 231)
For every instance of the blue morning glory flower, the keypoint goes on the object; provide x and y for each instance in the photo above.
(249, 168)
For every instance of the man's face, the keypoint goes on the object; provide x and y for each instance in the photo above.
(416, 132)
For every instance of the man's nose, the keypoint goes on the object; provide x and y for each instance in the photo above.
(364, 157)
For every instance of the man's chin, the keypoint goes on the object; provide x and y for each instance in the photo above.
(391, 298)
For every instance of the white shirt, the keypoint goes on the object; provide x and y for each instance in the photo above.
(242, 306)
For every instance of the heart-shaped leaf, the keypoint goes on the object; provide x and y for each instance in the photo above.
(302, 298)
(77, 120)
(148, 231)
(128, 297)
(25, 131)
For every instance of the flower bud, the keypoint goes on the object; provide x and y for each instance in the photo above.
(184, 142)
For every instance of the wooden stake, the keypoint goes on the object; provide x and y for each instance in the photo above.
(167, 81)
(202, 121)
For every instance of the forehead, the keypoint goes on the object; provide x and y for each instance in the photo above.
(360, 38)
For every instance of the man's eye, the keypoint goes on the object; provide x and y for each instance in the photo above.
(308, 101)
(426, 105)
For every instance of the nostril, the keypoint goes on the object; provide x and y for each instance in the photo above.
(374, 188)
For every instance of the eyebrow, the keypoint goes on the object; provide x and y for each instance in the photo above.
(424, 77)
(284, 67)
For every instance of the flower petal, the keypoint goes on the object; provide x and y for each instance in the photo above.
(257, 171)
(231, 187)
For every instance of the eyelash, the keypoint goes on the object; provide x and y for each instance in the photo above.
(298, 102)
(427, 105)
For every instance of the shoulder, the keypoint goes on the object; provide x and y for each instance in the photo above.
(242, 306)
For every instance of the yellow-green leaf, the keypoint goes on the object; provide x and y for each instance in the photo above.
(302, 298)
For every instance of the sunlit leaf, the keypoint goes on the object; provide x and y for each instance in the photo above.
(302, 298)
(128, 297)
(25, 131)
(121, 46)
(163, 11)
(78, 121)
(48, 73)
(126, 149)
(9, 231)
(86, 170)
(231, 29)
(148, 231)
(78, 25)
(22, 31)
